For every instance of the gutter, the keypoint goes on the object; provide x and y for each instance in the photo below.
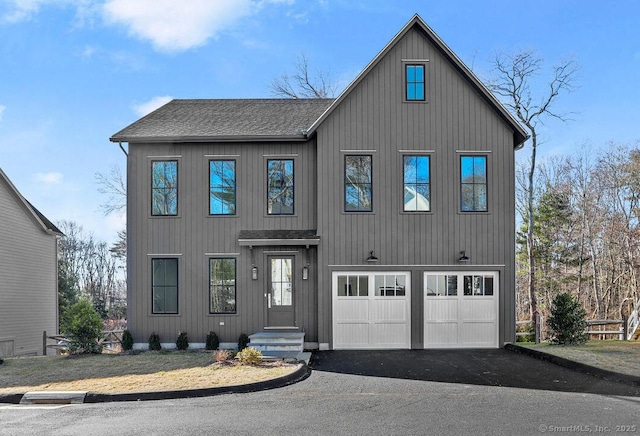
(205, 139)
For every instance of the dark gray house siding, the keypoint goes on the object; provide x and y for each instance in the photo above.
(373, 119)
(193, 237)
(346, 299)
(28, 274)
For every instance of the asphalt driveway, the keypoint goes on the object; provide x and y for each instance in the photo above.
(485, 367)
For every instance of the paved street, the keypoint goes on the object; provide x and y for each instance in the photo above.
(336, 403)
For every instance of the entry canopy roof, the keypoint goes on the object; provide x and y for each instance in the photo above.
(254, 238)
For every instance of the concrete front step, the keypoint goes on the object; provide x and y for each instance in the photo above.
(274, 341)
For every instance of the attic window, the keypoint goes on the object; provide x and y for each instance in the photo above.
(414, 82)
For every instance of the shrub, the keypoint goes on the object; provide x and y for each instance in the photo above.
(243, 341)
(154, 342)
(250, 356)
(127, 340)
(567, 321)
(221, 355)
(83, 326)
(212, 341)
(182, 343)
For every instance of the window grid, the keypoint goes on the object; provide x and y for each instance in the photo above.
(415, 80)
(222, 187)
(417, 183)
(358, 193)
(473, 184)
(222, 285)
(164, 286)
(280, 187)
(164, 188)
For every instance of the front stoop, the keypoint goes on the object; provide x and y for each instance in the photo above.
(279, 344)
(53, 397)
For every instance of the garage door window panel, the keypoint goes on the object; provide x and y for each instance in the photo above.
(390, 285)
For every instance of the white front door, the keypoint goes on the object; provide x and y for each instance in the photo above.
(461, 309)
(371, 310)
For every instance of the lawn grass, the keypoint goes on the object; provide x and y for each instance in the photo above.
(139, 372)
(612, 355)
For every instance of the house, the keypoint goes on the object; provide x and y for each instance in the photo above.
(383, 218)
(28, 274)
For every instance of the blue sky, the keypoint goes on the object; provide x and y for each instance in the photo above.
(74, 72)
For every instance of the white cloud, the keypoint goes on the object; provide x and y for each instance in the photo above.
(2, 109)
(48, 178)
(145, 108)
(20, 10)
(24, 10)
(173, 26)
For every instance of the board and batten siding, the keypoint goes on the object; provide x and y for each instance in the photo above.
(374, 119)
(193, 236)
(28, 278)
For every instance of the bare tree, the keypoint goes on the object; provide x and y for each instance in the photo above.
(113, 185)
(515, 82)
(304, 82)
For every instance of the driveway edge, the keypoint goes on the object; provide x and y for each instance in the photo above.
(297, 376)
(575, 366)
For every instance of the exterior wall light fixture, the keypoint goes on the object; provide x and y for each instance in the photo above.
(372, 257)
(305, 273)
(254, 273)
(463, 257)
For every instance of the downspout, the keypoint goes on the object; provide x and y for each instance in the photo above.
(122, 148)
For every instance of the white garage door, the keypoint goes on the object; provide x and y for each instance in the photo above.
(461, 310)
(371, 310)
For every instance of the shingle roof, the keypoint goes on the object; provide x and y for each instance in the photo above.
(204, 120)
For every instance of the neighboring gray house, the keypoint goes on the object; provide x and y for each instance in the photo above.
(383, 218)
(28, 274)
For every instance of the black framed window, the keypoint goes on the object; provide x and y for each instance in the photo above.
(417, 183)
(164, 188)
(473, 183)
(222, 187)
(164, 285)
(222, 285)
(414, 82)
(358, 193)
(280, 187)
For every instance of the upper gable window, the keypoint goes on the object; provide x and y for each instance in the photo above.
(414, 82)
(280, 187)
(473, 183)
(222, 187)
(164, 188)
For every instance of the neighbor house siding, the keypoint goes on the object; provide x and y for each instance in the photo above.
(374, 119)
(28, 278)
(193, 237)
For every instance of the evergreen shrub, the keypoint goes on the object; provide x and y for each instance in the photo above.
(212, 341)
(154, 342)
(243, 341)
(182, 343)
(127, 340)
(568, 321)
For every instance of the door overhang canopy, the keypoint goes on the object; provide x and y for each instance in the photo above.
(256, 238)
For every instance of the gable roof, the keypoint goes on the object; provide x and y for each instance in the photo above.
(226, 120)
(206, 120)
(37, 216)
(519, 134)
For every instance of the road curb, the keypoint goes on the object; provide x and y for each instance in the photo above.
(575, 366)
(297, 376)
